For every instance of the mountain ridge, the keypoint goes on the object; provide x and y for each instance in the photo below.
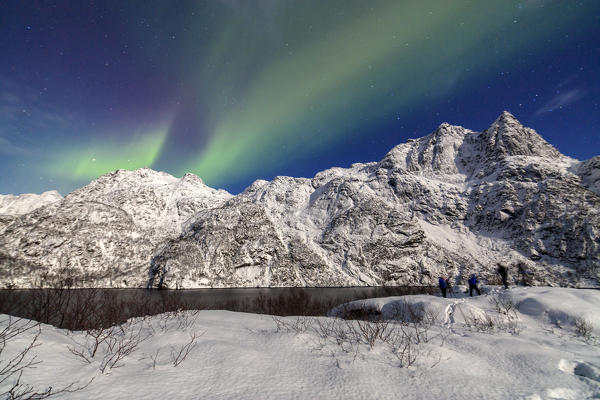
(450, 203)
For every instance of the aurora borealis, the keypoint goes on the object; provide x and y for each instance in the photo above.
(235, 91)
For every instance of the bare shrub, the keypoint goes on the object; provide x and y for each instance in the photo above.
(373, 331)
(296, 325)
(12, 367)
(179, 319)
(403, 338)
(403, 346)
(94, 339)
(414, 322)
(504, 304)
(480, 322)
(185, 319)
(326, 327)
(584, 329)
(178, 355)
(416, 318)
(111, 345)
(340, 332)
(68, 308)
(403, 334)
(83, 309)
(152, 357)
(505, 321)
(507, 310)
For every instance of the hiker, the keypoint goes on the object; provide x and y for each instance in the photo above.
(443, 282)
(503, 274)
(473, 285)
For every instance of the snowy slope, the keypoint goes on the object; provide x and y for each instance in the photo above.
(589, 171)
(245, 356)
(25, 203)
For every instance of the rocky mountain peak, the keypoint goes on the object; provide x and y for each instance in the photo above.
(448, 129)
(189, 177)
(508, 137)
(506, 119)
(431, 155)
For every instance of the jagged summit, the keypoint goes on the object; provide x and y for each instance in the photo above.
(507, 137)
(506, 119)
(189, 177)
(449, 203)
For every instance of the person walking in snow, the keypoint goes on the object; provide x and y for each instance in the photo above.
(503, 274)
(443, 285)
(473, 285)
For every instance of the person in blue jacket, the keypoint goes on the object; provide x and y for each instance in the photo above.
(443, 285)
(473, 285)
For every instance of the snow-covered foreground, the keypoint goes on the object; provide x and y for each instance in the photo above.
(478, 348)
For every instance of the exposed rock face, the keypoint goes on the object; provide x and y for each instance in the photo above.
(103, 234)
(451, 203)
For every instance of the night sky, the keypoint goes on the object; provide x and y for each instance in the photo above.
(235, 91)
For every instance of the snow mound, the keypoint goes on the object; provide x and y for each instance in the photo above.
(564, 308)
(572, 305)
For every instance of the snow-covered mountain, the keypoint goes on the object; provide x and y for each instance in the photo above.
(103, 234)
(26, 203)
(451, 203)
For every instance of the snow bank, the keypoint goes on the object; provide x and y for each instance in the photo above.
(246, 356)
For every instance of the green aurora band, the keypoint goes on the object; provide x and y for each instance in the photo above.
(327, 81)
(281, 80)
(91, 160)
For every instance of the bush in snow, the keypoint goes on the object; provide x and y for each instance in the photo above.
(584, 329)
(403, 334)
(504, 317)
(179, 354)
(108, 345)
(13, 365)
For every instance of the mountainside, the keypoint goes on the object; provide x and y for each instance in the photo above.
(104, 233)
(450, 203)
